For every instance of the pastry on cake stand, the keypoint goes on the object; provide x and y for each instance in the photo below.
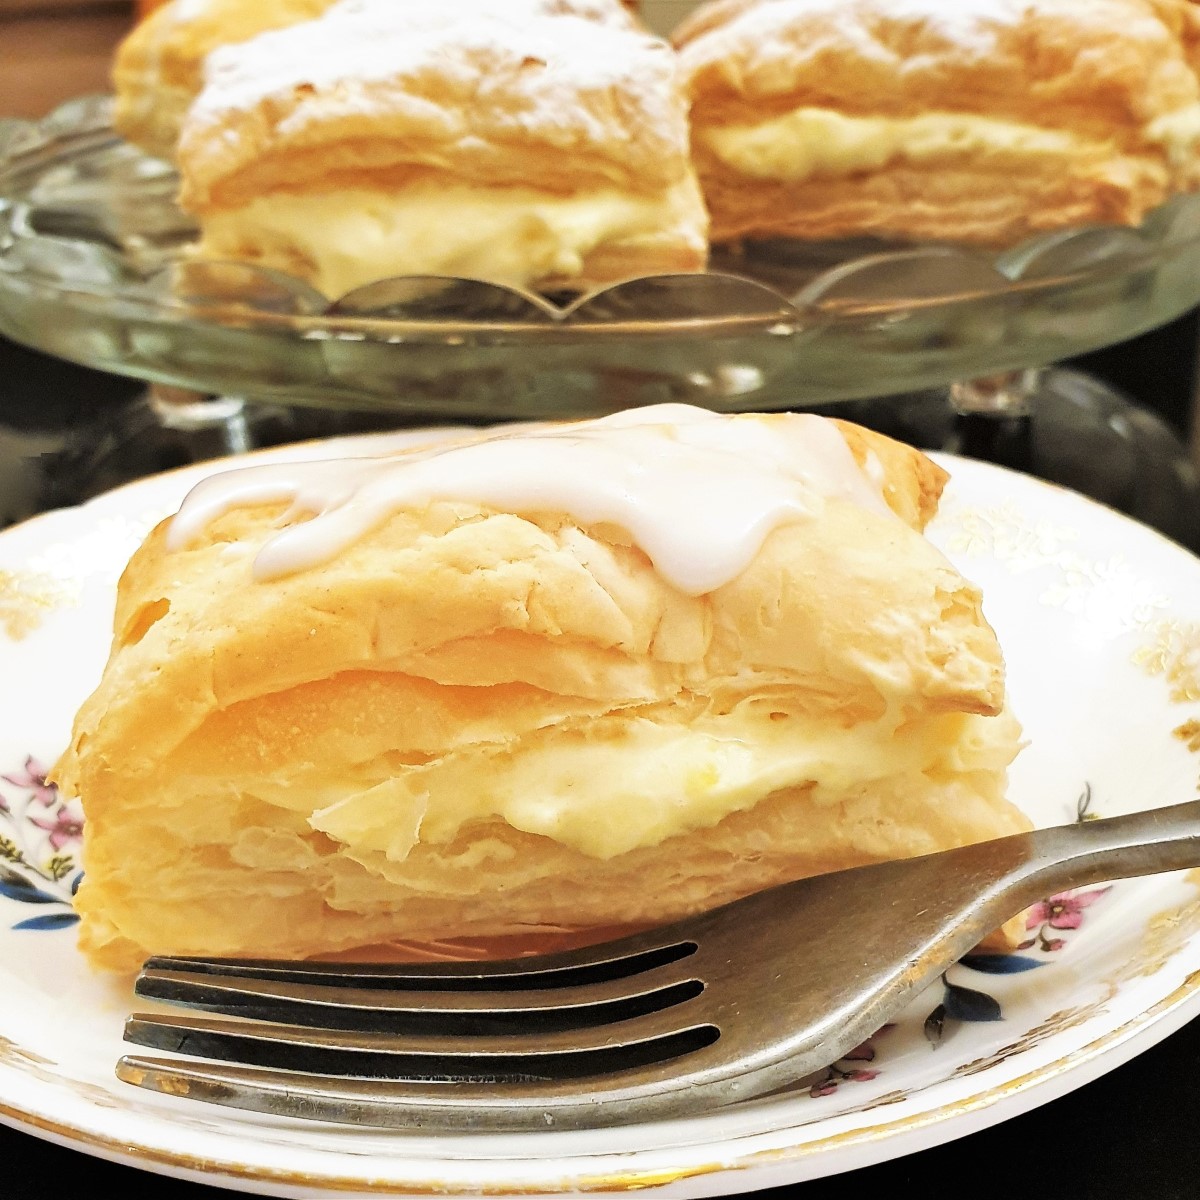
(948, 346)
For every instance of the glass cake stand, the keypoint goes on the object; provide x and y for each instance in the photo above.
(942, 345)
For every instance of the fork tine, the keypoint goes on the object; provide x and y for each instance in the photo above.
(565, 1055)
(591, 964)
(428, 1012)
(775, 985)
(475, 1103)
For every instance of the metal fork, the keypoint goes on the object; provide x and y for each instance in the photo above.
(722, 1007)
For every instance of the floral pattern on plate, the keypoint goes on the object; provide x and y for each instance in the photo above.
(1099, 618)
(40, 837)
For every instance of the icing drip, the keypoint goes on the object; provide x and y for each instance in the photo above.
(697, 492)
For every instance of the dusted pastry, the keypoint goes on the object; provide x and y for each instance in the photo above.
(576, 678)
(976, 121)
(539, 150)
(158, 70)
(159, 67)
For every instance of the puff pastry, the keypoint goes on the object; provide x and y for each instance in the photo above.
(425, 714)
(540, 150)
(978, 121)
(159, 68)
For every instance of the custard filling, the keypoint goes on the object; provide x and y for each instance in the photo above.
(813, 142)
(627, 783)
(345, 239)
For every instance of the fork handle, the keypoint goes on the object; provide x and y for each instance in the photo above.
(1140, 843)
(1020, 870)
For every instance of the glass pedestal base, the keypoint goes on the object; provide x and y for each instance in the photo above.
(1073, 430)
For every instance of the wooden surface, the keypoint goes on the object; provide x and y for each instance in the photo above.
(50, 53)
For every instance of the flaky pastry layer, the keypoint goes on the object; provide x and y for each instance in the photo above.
(475, 724)
(365, 98)
(158, 70)
(980, 122)
(503, 143)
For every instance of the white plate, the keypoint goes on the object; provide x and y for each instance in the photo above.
(1100, 619)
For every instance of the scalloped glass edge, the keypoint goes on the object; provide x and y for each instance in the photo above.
(871, 282)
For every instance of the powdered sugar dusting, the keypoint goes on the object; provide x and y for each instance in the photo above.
(767, 39)
(967, 24)
(189, 10)
(182, 12)
(964, 22)
(761, 48)
(377, 41)
(607, 11)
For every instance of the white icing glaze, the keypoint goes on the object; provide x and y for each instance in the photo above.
(697, 492)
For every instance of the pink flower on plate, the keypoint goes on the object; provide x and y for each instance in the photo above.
(863, 1052)
(1064, 911)
(33, 776)
(64, 827)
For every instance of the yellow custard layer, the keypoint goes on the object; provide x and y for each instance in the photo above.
(342, 240)
(627, 782)
(813, 142)
(1178, 133)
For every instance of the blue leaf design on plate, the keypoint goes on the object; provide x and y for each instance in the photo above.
(49, 921)
(1000, 964)
(935, 1025)
(966, 1004)
(25, 892)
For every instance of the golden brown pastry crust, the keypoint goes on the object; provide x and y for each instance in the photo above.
(1107, 73)
(230, 713)
(158, 69)
(473, 102)
(378, 110)
(981, 208)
